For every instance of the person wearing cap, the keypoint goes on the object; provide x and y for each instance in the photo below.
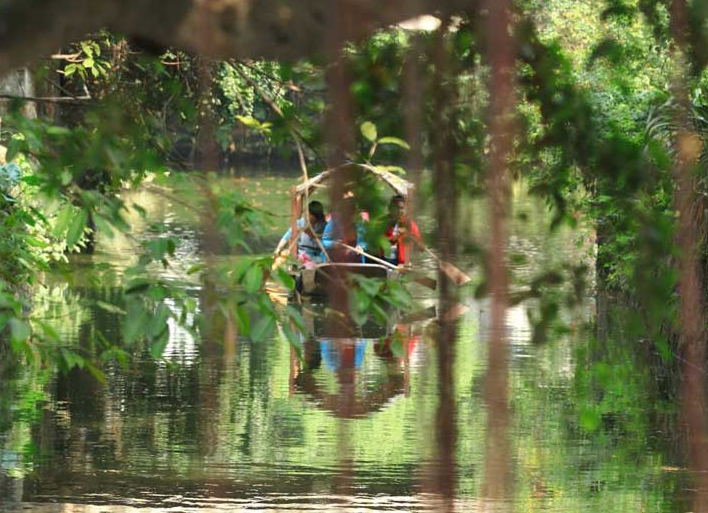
(308, 249)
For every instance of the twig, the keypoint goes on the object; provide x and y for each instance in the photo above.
(62, 89)
(47, 99)
(290, 85)
(71, 57)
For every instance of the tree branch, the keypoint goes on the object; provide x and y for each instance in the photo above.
(47, 99)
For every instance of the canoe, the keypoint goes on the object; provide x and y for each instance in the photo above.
(325, 278)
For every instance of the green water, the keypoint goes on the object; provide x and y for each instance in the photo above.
(222, 424)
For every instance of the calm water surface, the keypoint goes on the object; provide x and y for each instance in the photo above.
(231, 426)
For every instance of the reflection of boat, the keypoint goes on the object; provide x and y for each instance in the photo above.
(344, 360)
(364, 385)
(322, 278)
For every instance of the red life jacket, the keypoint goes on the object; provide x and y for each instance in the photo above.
(402, 241)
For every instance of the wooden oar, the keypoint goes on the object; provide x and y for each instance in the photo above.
(418, 278)
(452, 272)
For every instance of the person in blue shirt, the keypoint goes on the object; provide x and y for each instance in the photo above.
(307, 247)
(334, 234)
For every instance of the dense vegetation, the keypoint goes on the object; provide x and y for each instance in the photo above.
(599, 103)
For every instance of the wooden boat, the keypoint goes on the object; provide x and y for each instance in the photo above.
(323, 277)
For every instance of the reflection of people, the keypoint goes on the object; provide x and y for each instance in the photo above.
(398, 229)
(308, 249)
(349, 354)
(344, 358)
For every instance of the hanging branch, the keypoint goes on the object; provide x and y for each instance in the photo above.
(297, 137)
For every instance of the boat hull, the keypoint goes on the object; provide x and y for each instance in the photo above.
(328, 277)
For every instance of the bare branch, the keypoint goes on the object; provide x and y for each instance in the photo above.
(47, 99)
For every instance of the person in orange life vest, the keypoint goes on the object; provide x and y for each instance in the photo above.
(398, 230)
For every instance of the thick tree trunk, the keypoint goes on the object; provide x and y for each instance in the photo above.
(497, 476)
(692, 318)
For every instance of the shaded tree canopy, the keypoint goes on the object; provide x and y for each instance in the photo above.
(270, 29)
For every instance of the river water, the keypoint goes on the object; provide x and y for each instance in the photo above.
(230, 425)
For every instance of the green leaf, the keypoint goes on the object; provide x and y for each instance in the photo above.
(294, 340)
(158, 322)
(88, 63)
(96, 373)
(63, 219)
(59, 131)
(15, 147)
(359, 302)
(253, 279)
(70, 70)
(137, 286)
(395, 141)
(190, 304)
(71, 359)
(122, 357)
(295, 317)
(104, 226)
(49, 331)
(397, 347)
(263, 329)
(371, 286)
(243, 321)
(368, 130)
(590, 419)
(76, 228)
(110, 308)
(140, 210)
(196, 268)
(158, 345)
(133, 327)
(241, 267)
(285, 278)
(86, 47)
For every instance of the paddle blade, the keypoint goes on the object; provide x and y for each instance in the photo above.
(452, 272)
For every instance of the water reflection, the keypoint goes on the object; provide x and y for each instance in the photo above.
(221, 424)
(356, 376)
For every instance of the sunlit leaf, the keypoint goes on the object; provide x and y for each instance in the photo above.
(395, 141)
(368, 130)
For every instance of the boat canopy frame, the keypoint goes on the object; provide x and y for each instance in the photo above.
(398, 184)
(305, 189)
